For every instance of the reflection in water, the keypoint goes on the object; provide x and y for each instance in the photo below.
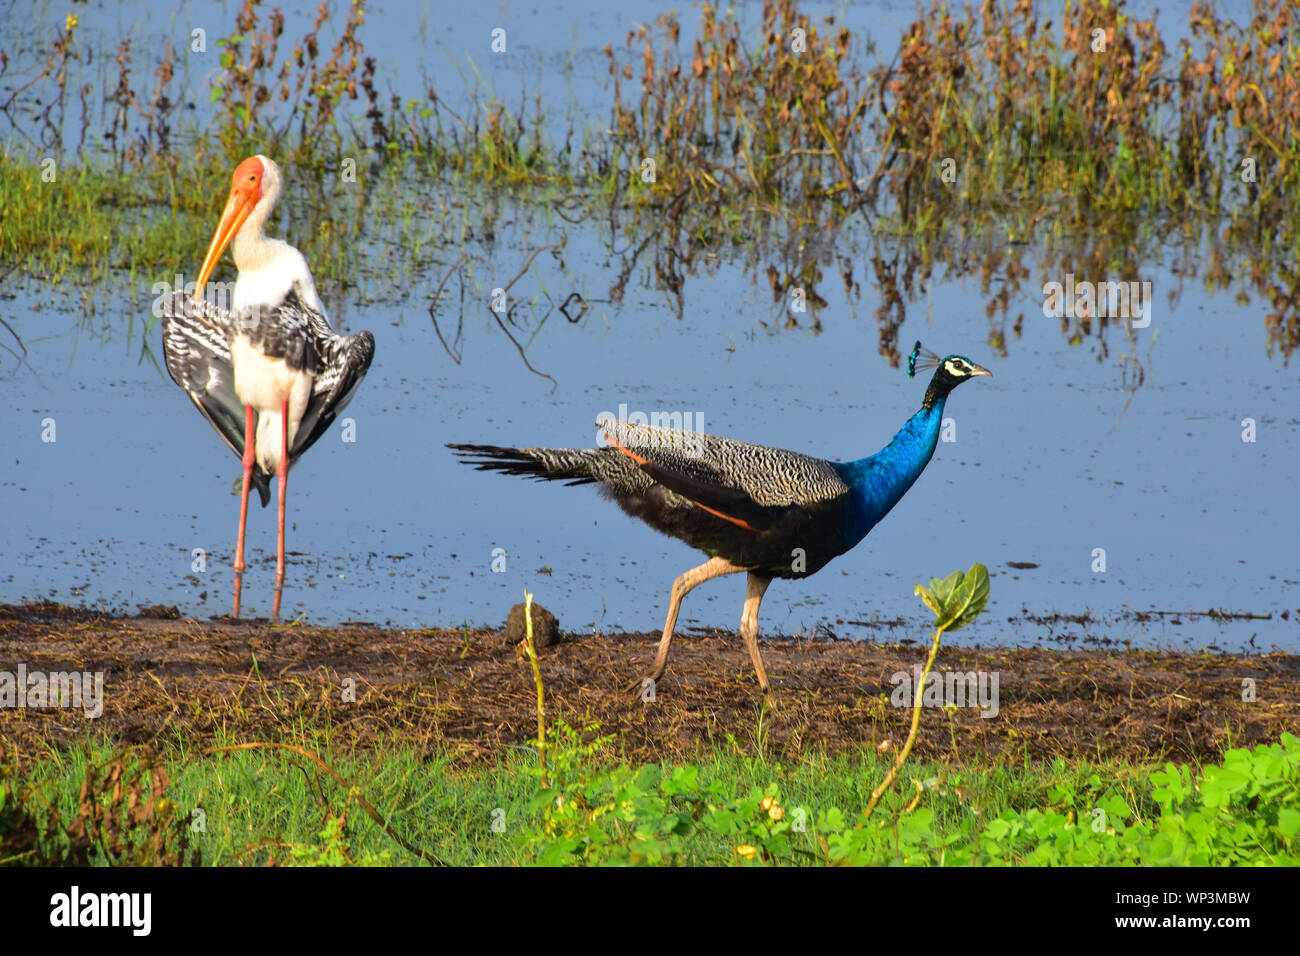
(810, 147)
(1042, 470)
(732, 283)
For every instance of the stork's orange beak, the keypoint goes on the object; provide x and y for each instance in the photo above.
(244, 195)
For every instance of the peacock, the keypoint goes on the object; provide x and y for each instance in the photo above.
(765, 511)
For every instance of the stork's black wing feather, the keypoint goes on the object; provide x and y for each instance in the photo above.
(197, 355)
(342, 363)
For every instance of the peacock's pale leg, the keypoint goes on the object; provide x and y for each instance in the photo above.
(682, 586)
(754, 592)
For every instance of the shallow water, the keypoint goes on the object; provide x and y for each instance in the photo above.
(1047, 466)
(1049, 463)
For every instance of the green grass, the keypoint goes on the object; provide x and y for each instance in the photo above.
(576, 799)
(726, 807)
(85, 221)
(93, 224)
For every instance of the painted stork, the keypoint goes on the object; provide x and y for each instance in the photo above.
(271, 359)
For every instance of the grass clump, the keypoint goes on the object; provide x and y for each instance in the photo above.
(722, 808)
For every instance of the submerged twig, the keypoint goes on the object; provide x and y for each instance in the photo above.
(22, 359)
(497, 318)
(460, 320)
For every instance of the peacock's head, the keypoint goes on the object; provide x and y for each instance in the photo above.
(949, 372)
(955, 369)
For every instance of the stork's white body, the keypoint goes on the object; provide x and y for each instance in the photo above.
(268, 270)
(265, 383)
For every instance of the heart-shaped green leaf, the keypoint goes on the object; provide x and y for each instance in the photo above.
(957, 599)
(967, 598)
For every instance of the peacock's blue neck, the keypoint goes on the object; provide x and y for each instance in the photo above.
(880, 480)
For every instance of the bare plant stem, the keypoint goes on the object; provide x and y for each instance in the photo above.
(911, 736)
(537, 679)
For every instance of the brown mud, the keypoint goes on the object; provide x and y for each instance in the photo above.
(472, 695)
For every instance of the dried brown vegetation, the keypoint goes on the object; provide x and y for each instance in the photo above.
(1088, 139)
(440, 691)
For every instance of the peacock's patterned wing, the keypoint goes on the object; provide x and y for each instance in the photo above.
(749, 485)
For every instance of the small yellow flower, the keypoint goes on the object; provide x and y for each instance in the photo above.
(70, 22)
(746, 851)
(765, 803)
(775, 812)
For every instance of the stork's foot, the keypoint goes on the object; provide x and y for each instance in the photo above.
(646, 686)
(642, 685)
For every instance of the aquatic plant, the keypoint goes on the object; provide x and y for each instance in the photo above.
(988, 141)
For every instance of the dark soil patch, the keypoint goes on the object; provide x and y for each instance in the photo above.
(473, 695)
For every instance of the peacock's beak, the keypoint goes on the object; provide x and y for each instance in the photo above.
(980, 370)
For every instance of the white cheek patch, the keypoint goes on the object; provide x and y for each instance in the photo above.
(954, 369)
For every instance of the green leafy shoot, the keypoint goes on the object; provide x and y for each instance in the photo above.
(957, 599)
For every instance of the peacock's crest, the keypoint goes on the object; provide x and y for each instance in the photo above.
(928, 360)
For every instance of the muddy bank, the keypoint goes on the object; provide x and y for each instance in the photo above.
(471, 693)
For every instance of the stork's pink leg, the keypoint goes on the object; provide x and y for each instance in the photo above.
(249, 457)
(283, 473)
